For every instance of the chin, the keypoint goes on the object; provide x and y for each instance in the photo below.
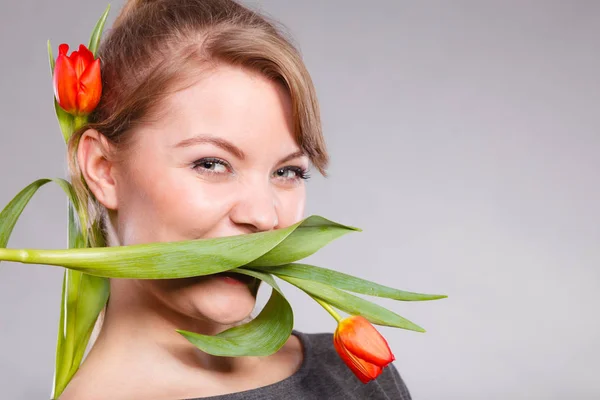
(225, 300)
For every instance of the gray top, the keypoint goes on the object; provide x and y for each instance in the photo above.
(324, 376)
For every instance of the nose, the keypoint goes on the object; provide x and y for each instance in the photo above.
(256, 208)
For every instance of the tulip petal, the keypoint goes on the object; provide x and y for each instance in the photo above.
(63, 49)
(65, 83)
(362, 339)
(363, 370)
(81, 59)
(87, 55)
(90, 88)
(77, 62)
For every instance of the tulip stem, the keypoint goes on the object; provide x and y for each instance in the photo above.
(328, 308)
(80, 120)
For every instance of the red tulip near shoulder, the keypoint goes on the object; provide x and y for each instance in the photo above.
(362, 347)
(77, 81)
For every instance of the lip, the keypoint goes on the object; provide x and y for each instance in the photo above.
(235, 279)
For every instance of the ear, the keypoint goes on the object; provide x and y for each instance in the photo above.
(97, 169)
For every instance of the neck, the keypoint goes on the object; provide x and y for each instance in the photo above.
(138, 324)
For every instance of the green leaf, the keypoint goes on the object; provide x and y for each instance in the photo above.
(352, 304)
(66, 121)
(97, 32)
(347, 282)
(51, 58)
(262, 336)
(83, 298)
(82, 215)
(191, 257)
(13, 210)
(304, 242)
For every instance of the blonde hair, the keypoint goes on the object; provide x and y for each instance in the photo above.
(156, 47)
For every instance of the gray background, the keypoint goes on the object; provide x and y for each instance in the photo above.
(465, 142)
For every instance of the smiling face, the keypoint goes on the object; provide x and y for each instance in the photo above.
(222, 161)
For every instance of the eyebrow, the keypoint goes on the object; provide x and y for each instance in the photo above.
(228, 146)
(295, 154)
(222, 143)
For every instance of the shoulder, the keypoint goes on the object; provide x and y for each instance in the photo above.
(317, 343)
(324, 361)
(391, 382)
(318, 352)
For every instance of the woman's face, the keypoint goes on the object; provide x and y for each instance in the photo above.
(222, 162)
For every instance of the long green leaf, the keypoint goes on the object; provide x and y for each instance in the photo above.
(346, 282)
(97, 32)
(262, 336)
(187, 258)
(51, 57)
(65, 120)
(64, 343)
(352, 304)
(83, 297)
(13, 210)
(303, 243)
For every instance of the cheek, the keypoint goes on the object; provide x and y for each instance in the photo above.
(291, 206)
(198, 207)
(164, 204)
(189, 207)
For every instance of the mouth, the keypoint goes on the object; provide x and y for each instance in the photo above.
(236, 279)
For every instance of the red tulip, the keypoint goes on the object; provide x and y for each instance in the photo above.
(362, 348)
(77, 81)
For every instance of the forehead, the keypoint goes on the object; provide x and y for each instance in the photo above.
(233, 103)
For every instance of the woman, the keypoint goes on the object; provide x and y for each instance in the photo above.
(207, 126)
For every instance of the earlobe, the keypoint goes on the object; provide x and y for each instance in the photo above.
(96, 167)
